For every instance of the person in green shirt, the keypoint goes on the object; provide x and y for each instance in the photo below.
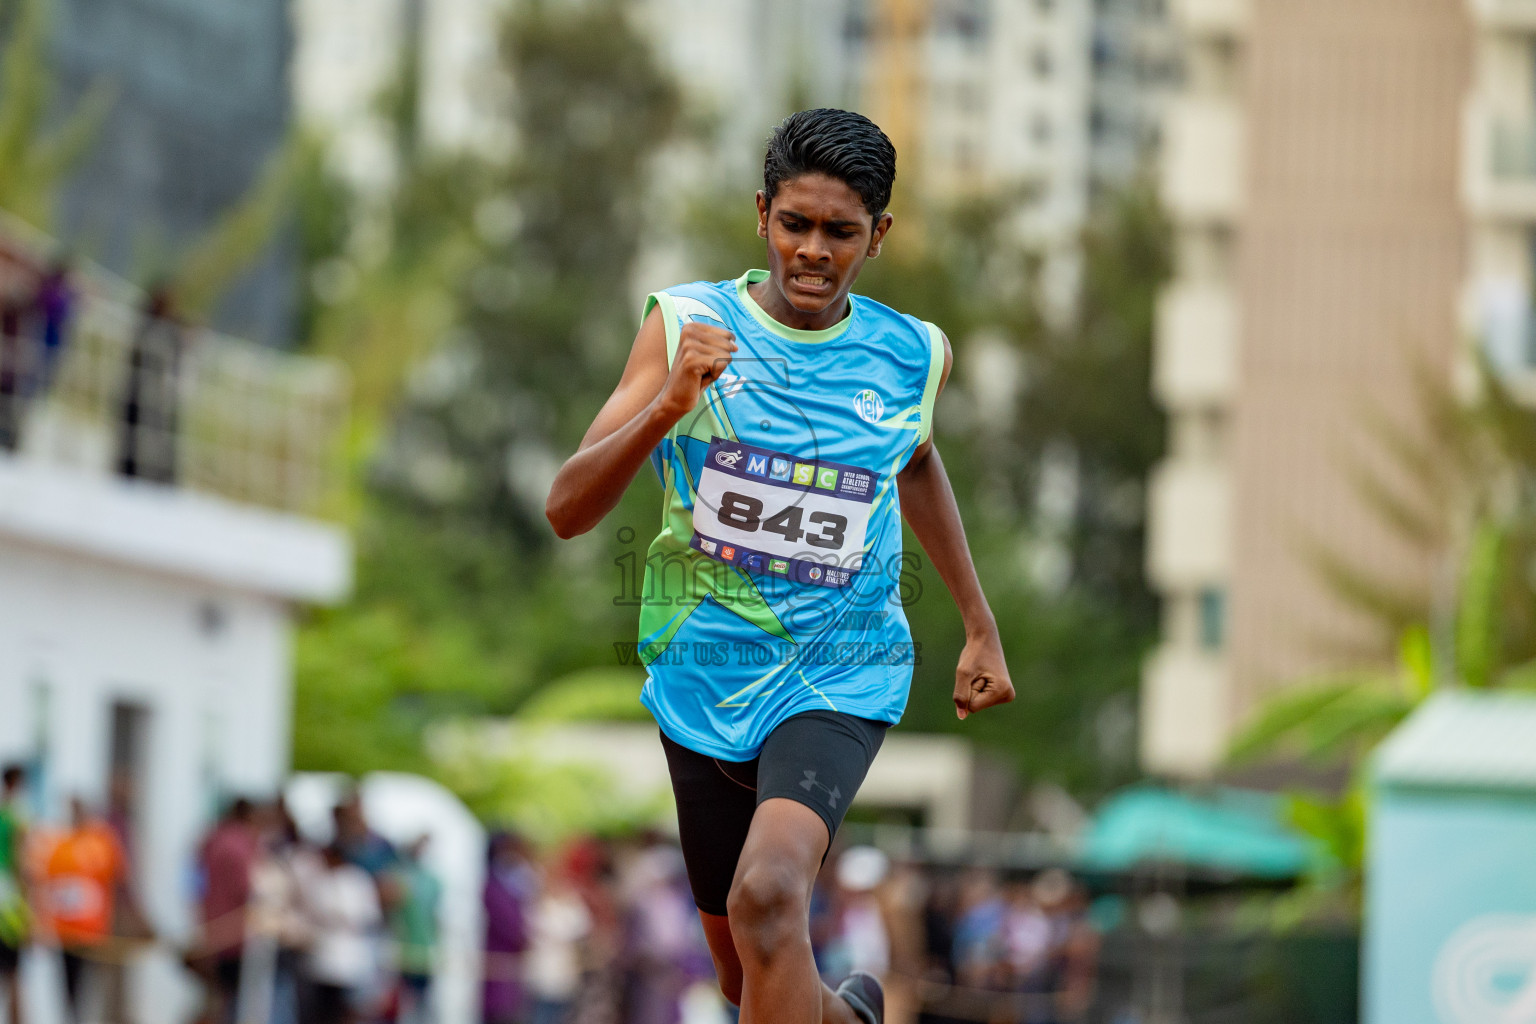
(14, 917)
(414, 922)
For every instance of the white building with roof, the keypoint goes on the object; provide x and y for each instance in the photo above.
(146, 627)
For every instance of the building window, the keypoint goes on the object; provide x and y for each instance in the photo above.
(1041, 61)
(1213, 618)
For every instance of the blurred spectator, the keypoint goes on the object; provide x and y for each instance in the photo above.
(413, 920)
(276, 913)
(359, 843)
(510, 886)
(1077, 955)
(14, 359)
(666, 948)
(151, 397)
(342, 904)
(86, 878)
(977, 932)
(859, 939)
(55, 304)
(1027, 937)
(13, 905)
(589, 865)
(560, 926)
(226, 859)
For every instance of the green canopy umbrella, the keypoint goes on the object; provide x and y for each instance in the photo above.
(1229, 832)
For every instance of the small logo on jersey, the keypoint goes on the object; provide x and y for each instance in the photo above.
(754, 562)
(826, 478)
(814, 572)
(805, 472)
(869, 405)
(728, 459)
(729, 383)
(778, 565)
(781, 469)
(757, 465)
(707, 546)
(728, 553)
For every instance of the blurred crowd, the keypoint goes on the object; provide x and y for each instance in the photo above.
(38, 306)
(289, 931)
(594, 932)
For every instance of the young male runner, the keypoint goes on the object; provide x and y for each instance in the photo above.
(790, 423)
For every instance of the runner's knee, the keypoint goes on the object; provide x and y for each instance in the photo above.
(767, 909)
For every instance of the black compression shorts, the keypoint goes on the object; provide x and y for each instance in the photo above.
(818, 759)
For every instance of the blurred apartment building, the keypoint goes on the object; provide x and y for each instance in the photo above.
(197, 102)
(1353, 189)
(1052, 99)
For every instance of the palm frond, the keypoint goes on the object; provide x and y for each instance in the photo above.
(226, 250)
(1421, 526)
(1393, 603)
(1477, 612)
(1353, 723)
(1511, 424)
(1286, 716)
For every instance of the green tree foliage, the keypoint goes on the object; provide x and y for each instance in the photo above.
(1075, 649)
(515, 279)
(546, 313)
(1466, 487)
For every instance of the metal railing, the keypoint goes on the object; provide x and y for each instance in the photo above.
(123, 392)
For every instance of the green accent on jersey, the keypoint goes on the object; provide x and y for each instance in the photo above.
(817, 692)
(935, 373)
(739, 699)
(789, 333)
(663, 614)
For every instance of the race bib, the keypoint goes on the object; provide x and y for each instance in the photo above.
(773, 513)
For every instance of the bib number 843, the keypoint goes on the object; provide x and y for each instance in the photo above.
(744, 512)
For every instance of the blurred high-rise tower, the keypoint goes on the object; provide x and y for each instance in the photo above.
(1312, 170)
(199, 103)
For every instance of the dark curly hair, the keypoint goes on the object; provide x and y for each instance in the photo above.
(837, 143)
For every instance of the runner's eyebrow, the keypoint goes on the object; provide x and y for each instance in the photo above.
(831, 223)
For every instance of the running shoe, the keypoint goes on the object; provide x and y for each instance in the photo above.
(862, 991)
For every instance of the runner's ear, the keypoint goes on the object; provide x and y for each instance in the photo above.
(762, 214)
(882, 225)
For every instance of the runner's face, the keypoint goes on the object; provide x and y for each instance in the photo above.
(819, 235)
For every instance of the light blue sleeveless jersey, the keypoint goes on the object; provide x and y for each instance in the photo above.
(774, 587)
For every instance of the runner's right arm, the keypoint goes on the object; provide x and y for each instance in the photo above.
(648, 401)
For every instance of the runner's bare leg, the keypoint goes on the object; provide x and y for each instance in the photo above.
(768, 927)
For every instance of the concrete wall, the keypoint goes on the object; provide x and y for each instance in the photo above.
(209, 666)
(1351, 259)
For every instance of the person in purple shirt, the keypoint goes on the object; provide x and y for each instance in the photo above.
(55, 304)
(510, 887)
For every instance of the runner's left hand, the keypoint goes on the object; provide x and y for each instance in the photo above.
(981, 680)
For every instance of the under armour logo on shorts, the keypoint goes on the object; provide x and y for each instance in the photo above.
(809, 783)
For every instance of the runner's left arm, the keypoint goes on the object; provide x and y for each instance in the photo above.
(928, 502)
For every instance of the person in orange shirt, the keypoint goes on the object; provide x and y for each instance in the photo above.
(84, 875)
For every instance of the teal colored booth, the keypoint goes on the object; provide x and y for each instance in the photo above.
(1450, 929)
